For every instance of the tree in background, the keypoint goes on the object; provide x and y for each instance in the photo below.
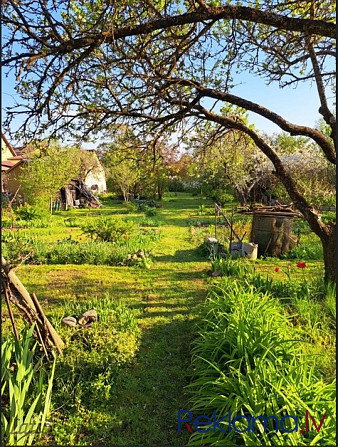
(228, 162)
(135, 167)
(307, 165)
(49, 168)
(120, 155)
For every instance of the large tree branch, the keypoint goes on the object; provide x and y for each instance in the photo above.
(201, 14)
(324, 109)
(285, 125)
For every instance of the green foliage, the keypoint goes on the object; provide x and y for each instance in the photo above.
(312, 249)
(4, 201)
(31, 212)
(109, 230)
(130, 207)
(146, 222)
(25, 398)
(93, 362)
(143, 205)
(151, 212)
(49, 169)
(248, 360)
(230, 267)
(122, 242)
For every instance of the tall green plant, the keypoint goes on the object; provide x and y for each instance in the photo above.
(248, 360)
(26, 407)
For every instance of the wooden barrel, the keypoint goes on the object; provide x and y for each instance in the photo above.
(272, 232)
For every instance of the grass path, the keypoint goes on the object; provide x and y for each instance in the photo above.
(142, 409)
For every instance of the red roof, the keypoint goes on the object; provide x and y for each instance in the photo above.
(7, 163)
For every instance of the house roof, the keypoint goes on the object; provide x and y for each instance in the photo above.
(10, 164)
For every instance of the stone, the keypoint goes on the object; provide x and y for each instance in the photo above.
(69, 321)
(90, 316)
(211, 241)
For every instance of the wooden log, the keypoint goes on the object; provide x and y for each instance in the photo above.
(27, 302)
(56, 339)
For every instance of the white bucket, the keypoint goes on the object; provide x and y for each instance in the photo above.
(249, 250)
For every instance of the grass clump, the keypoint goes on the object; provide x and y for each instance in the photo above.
(92, 365)
(249, 360)
(230, 267)
(108, 229)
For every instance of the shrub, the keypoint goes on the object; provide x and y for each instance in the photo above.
(143, 205)
(145, 222)
(130, 207)
(109, 230)
(151, 212)
(30, 212)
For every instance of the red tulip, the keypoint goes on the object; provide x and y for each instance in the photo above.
(301, 265)
(288, 266)
(277, 269)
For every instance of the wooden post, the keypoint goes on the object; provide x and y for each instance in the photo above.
(215, 222)
(232, 217)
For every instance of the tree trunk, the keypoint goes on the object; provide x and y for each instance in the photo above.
(159, 190)
(329, 250)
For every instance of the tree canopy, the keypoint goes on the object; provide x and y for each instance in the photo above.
(82, 66)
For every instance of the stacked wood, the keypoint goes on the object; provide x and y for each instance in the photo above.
(16, 293)
(77, 192)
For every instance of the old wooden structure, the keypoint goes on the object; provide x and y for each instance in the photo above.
(77, 194)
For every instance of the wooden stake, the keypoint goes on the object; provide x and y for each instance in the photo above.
(56, 339)
(11, 316)
(231, 230)
(215, 222)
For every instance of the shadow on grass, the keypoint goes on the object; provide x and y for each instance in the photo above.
(142, 404)
(190, 255)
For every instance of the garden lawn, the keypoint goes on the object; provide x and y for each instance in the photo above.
(141, 406)
(132, 397)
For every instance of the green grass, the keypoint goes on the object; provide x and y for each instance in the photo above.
(249, 360)
(138, 400)
(125, 386)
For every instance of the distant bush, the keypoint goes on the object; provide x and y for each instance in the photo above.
(109, 230)
(146, 222)
(18, 245)
(31, 212)
(143, 205)
(130, 207)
